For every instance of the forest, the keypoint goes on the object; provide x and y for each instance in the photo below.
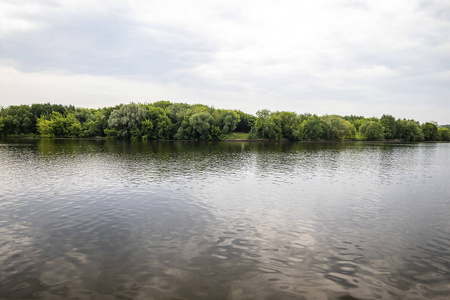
(164, 120)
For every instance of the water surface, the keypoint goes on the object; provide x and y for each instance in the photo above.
(185, 220)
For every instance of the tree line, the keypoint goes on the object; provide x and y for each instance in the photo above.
(164, 120)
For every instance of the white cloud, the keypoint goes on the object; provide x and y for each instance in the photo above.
(13, 17)
(100, 91)
(81, 90)
(346, 57)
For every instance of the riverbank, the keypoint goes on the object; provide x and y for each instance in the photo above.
(395, 141)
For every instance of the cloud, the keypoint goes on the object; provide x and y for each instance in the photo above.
(13, 17)
(96, 42)
(347, 57)
(95, 91)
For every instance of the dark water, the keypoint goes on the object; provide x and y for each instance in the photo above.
(182, 220)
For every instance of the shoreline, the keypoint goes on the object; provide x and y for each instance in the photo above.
(396, 141)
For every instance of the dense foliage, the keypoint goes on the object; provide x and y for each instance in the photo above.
(164, 120)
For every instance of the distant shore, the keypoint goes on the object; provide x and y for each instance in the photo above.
(395, 141)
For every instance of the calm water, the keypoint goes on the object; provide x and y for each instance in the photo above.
(182, 220)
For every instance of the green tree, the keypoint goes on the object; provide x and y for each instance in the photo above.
(73, 126)
(18, 120)
(201, 123)
(267, 125)
(161, 125)
(313, 128)
(2, 126)
(46, 109)
(228, 121)
(21, 119)
(126, 120)
(357, 121)
(147, 129)
(177, 113)
(45, 127)
(336, 128)
(83, 115)
(58, 125)
(165, 120)
(444, 134)
(185, 130)
(290, 124)
(389, 126)
(216, 134)
(372, 131)
(412, 132)
(400, 128)
(163, 104)
(430, 131)
(94, 126)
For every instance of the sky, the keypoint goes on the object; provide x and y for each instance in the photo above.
(322, 57)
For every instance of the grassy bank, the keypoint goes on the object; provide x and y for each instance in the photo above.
(237, 136)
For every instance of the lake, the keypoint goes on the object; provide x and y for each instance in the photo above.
(112, 219)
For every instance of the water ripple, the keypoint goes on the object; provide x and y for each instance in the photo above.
(134, 220)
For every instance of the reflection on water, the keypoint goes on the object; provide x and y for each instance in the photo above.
(184, 220)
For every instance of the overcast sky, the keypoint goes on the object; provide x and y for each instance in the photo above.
(323, 56)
